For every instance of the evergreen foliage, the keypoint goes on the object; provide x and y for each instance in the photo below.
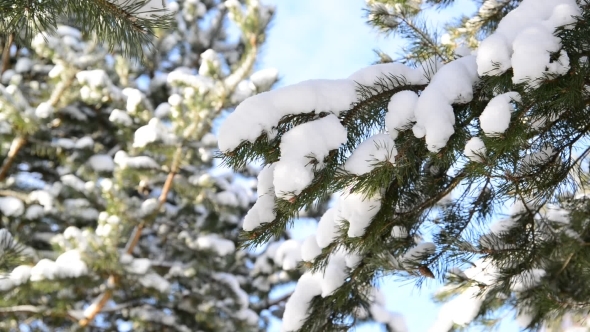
(415, 210)
(128, 25)
(113, 216)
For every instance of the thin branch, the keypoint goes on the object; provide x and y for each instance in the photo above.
(6, 53)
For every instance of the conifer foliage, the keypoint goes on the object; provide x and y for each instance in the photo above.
(112, 216)
(464, 165)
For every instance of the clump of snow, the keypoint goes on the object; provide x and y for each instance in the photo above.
(45, 269)
(20, 274)
(524, 40)
(154, 280)
(495, 118)
(435, 118)
(288, 255)
(263, 210)
(418, 252)
(310, 248)
(334, 274)
(234, 284)
(137, 265)
(460, 310)
(400, 111)
(216, 243)
(264, 79)
(123, 160)
(526, 280)
(308, 286)
(154, 131)
(399, 232)
(73, 181)
(315, 139)
(84, 143)
(327, 228)
(260, 113)
(376, 149)
(44, 110)
(71, 265)
(474, 149)
(101, 163)
(210, 63)
(120, 117)
(11, 206)
(23, 65)
(358, 210)
(34, 212)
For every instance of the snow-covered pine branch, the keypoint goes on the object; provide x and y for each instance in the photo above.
(393, 141)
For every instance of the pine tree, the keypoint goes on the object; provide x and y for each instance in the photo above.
(113, 216)
(467, 167)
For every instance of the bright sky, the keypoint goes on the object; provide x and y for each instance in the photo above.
(330, 39)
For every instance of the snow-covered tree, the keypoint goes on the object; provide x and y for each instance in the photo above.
(112, 214)
(466, 162)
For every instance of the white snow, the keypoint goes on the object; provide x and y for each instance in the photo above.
(44, 110)
(154, 131)
(526, 280)
(73, 181)
(138, 266)
(23, 65)
(263, 209)
(453, 83)
(399, 232)
(264, 79)
(71, 265)
(34, 212)
(358, 210)
(123, 160)
(210, 63)
(308, 286)
(524, 38)
(474, 148)
(234, 284)
(418, 252)
(216, 243)
(495, 118)
(288, 255)
(154, 280)
(84, 143)
(334, 274)
(11, 206)
(101, 163)
(315, 139)
(20, 274)
(260, 113)
(327, 228)
(44, 269)
(120, 117)
(375, 149)
(310, 248)
(400, 111)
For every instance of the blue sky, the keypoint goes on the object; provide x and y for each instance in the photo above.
(329, 39)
